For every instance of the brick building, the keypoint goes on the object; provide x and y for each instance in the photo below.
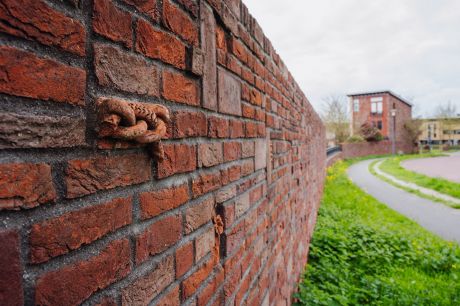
(376, 109)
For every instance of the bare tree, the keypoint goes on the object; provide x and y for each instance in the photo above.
(413, 128)
(446, 113)
(335, 117)
(446, 110)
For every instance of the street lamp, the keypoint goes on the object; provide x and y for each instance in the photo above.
(393, 140)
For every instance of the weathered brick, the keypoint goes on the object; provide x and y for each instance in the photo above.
(210, 154)
(125, 72)
(251, 129)
(112, 22)
(84, 177)
(158, 237)
(42, 131)
(208, 40)
(225, 194)
(70, 231)
(10, 270)
(242, 204)
(179, 158)
(107, 301)
(184, 259)
(190, 124)
(26, 75)
(260, 154)
(160, 45)
(248, 149)
(232, 151)
(25, 185)
(218, 127)
(74, 283)
(146, 288)
(179, 88)
(172, 298)
(229, 93)
(157, 202)
(198, 215)
(36, 20)
(148, 7)
(178, 22)
(204, 244)
(205, 183)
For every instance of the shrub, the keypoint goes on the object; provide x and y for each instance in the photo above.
(370, 133)
(355, 139)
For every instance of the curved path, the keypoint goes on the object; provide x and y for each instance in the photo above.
(435, 217)
(447, 167)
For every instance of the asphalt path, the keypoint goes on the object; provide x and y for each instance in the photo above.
(435, 217)
(447, 167)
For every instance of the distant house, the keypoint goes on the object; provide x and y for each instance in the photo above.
(440, 131)
(376, 108)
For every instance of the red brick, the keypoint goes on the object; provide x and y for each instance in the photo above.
(206, 294)
(204, 244)
(205, 183)
(25, 185)
(231, 174)
(193, 282)
(36, 20)
(160, 45)
(229, 89)
(190, 124)
(232, 151)
(178, 22)
(26, 75)
(84, 177)
(248, 149)
(74, 283)
(251, 129)
(225, 194)
(198, 215)
(236, 129)
(239, 50)
(70, 231)
(11, 291)
(247, 168)
(248, 111)
(221, 39)
(125, 72)
(171, 298)
(158, 237)
(218, 127)
(179, 158)
(157, 202)
(146, 288)
(148, 7)
(184, 259)
(210, 154)
(179, 88)
(112, 22)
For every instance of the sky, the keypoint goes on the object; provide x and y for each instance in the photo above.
(338, 47)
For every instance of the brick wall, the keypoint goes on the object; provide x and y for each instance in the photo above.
(225, 219)
(352, 150)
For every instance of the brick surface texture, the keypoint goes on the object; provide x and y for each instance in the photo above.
(225, 219)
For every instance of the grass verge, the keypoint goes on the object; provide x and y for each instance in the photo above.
(365, 253)
(393, 167)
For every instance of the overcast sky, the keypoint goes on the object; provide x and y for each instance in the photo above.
(337, 47)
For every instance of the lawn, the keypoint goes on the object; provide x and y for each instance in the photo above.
(392, 166)
(363, 253)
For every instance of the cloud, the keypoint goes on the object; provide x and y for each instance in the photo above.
(336, 47)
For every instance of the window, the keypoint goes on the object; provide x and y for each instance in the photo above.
(356, 105)
(377, 105)
(379, 125)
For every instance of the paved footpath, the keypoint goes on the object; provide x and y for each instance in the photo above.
(435, 217)
(447, 167)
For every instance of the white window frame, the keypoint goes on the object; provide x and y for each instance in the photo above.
(356, 105)
(377, 105)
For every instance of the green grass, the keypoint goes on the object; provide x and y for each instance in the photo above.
(393, 167)
(414, 191)
(363, 253)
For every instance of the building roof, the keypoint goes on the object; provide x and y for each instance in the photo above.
(379, 93)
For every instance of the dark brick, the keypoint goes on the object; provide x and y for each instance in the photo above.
(11, 293)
